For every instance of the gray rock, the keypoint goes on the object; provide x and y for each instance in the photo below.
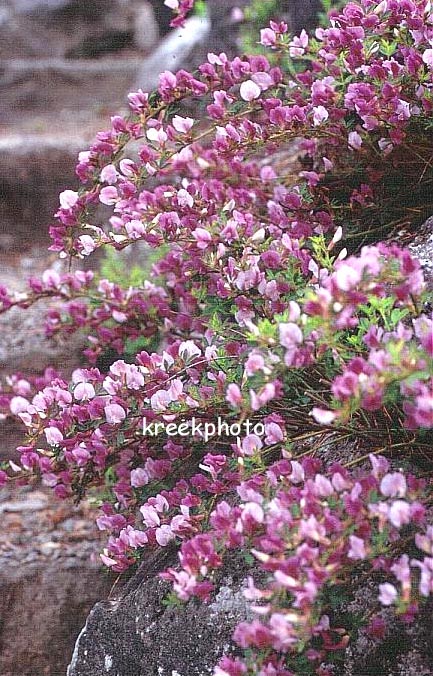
(137, 635)
(422, 248)
(172, 52)
(42, 606)
(146, 29)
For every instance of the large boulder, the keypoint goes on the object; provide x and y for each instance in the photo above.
(140, 633)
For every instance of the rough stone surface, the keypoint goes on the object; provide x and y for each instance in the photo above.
(137, 635)
(146, 28)
(49, 580)
(32, 173)
(422, 248)
(173, 51)
(405, 649)
(34, 28)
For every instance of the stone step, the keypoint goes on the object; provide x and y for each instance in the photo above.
(33, 170)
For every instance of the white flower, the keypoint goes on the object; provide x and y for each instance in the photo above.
(249, 90)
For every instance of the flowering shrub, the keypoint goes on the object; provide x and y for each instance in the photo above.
(253, 314)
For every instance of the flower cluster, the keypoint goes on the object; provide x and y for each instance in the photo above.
(253, 310)
(305, 530)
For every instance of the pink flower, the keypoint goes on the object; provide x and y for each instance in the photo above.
(164, 535)
(425, 542)
(68, 199)
(426, 577)
(298, 475)
(262, 397)
(135, 229)
(160, 401)
(158, 136)
(114, 413)
(320, 115)
(268, 37)
(249, 90)
(322, 416)
(312, 529)
(357, 548)
(175, 390)
(188, 349)
(109, 174)
(399, 513)
(347, 277)
(299, 44)
(18, 405)
(84, 391)
(401, 570)
(388, 594)
(290, 335)
(424, 332)
(355, 140)
(379, 465)
(322, 486)
(262, 80)
(128, 167)
(393, 485)
(139, 477)
(108, 195)
(53, 435)
(185, 199)
(134, 538)
(251, 444)
(182, 124)
(234, 395)
(88, 244)
(427, 57)
(252, 510)
(150, 516)
(254, 363)
(203, 238)
(274, 433)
